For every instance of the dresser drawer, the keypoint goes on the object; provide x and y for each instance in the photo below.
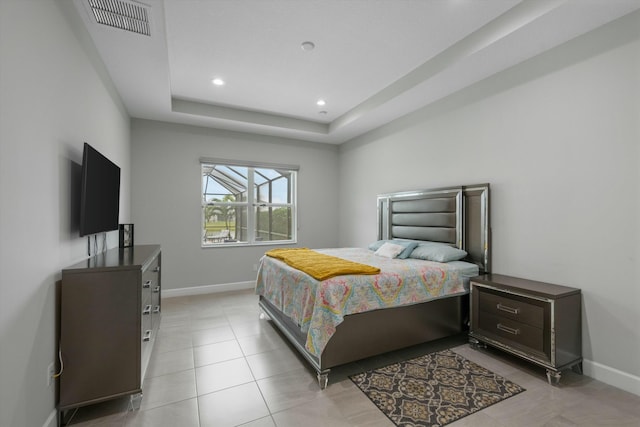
(153, 266)
(149, 280)
(512, 307)
(146, 338)
(512, 332)
(145, 297)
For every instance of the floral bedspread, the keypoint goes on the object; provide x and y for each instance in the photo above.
(319, 307)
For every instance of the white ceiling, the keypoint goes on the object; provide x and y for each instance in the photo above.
(374, 60)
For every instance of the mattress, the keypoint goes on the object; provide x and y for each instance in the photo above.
(318, 307)
(466, 269)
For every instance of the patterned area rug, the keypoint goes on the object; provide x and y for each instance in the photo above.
(433, 390)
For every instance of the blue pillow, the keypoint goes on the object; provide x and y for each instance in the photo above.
(409, 246)
(376, 245)
(438, 252)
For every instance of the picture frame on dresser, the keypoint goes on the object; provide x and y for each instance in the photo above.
(536, 321)
(125, 235)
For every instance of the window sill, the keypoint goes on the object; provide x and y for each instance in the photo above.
(247, 244)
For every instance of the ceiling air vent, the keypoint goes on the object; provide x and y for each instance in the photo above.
(125, 15)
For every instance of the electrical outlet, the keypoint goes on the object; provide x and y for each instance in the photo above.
(51, 371)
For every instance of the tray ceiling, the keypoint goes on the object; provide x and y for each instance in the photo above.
(371, 62)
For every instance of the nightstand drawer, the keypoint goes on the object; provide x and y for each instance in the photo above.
(516, 332)
(512, 307)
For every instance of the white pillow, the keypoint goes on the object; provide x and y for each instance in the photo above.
(389, 250)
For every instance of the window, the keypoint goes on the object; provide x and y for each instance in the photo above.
(247, 204)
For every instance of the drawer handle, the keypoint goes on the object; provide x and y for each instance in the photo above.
(147, 336)
(507, 309)
(147, 310)
(156, 310)
(156, 270)
(156, 290)
(508, 329)
(146, 284)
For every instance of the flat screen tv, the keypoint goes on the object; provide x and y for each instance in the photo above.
(99, 194)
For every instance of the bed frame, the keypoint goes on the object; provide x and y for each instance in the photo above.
(455, 215)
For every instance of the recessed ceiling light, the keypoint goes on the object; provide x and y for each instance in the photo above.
(307, 46)
(321, 102)
(218, 81)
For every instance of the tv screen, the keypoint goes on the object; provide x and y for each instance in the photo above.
(99, 194)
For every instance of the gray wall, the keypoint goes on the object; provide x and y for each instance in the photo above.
(166, 198)
(53, 99)
(558, 138)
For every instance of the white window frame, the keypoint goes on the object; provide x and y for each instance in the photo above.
(251, 203)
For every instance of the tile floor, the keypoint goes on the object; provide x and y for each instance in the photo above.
(215, 363)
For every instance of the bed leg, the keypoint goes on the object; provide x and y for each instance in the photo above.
(323, 379)
(475, 344)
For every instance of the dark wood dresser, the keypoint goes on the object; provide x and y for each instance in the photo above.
(109, 316)
(540, 322)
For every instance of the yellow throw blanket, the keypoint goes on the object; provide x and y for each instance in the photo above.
(320, 266)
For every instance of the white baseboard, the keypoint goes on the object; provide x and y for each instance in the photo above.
(614, 377)
(52, 419)
(207, 289)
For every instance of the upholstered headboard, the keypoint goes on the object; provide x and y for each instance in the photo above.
(458, 216)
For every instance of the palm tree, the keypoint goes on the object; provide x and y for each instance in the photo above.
(226, 213)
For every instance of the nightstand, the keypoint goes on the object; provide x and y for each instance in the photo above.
(537, 321)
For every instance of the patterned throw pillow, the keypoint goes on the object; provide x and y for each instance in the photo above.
(389, 250)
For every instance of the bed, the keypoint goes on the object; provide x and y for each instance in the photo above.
(347, 318)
